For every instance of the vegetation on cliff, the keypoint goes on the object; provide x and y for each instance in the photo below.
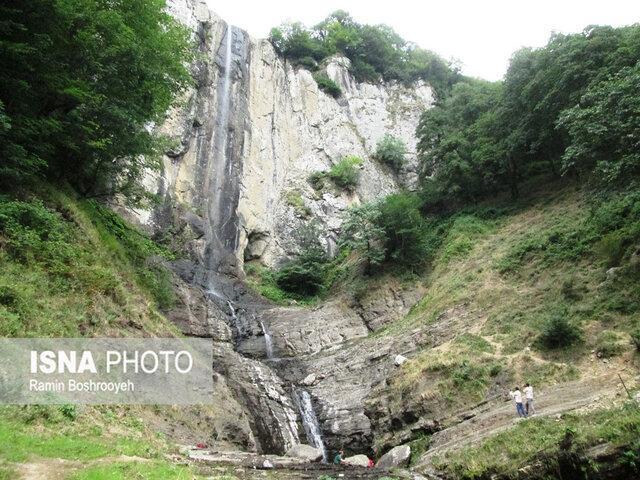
(376, 52)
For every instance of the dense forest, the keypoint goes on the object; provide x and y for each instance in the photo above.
(80, 83)
(570, 109)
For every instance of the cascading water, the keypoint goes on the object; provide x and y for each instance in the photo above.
(256, 385)
(221, 178)
(268, 341)
(310, 421)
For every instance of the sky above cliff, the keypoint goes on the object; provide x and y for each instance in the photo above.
(481, 34)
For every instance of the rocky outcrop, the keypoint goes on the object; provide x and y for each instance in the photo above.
(357, 461)
(297, 130)
(306, 452)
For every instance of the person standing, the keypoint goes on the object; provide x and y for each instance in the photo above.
(339, 458)
(528, 397)
(516, 394)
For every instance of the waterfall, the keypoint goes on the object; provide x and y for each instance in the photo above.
(220, 182)
(268, 341)
(310, 421)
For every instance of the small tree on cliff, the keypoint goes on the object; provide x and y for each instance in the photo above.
(362, 233)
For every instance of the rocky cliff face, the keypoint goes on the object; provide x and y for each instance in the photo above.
(254, 129)
(247, 138)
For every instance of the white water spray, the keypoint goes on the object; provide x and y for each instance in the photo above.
(310, 421)
(268, 341)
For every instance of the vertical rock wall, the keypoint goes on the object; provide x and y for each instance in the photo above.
(282, 129)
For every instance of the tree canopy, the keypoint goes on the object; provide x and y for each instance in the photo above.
(81, 83)
(566, 108)
(376, 51)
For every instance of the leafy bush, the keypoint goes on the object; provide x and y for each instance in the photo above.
(69, 411)
(611, 248)
(327, 85)
(302, 276)
(316, 180)
(391, 151)
(635, 336)
(305, 275)
(32, 232)
(345, 173)
(558, 332)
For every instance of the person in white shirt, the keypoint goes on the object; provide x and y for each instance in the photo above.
(528, 396)
(516, 394)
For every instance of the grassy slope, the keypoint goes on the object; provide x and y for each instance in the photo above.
(70, 268)
(503, 278)
(64, 273)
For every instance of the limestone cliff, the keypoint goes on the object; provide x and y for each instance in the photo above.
(275, 127)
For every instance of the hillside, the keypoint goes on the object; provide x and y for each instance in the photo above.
(496, 284)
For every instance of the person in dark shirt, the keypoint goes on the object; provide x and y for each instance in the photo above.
(337, 460)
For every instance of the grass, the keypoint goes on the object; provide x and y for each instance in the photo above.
(327, 85)
(62, 274)
(40, 431)
(133, 470)
(294, 199)
(509, 450)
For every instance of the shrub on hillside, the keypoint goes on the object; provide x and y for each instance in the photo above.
(305, 275)
(327, 85)
(635, 336)
(316, 180)
(609, 344)
(391, 151)
(32, 232)
(405, 230)
(345, 173)
(559, 332)
(294, 199)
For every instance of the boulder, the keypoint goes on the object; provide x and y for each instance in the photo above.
(309, 380)
(399, 360)
(396, 457)
(357, 461)
(306, 452)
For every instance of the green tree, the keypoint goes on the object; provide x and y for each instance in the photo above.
(461, 144)
(361, 232)
(404, 230)
(391, 151)
(376, 51)
(80, 83)
(604, 128)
